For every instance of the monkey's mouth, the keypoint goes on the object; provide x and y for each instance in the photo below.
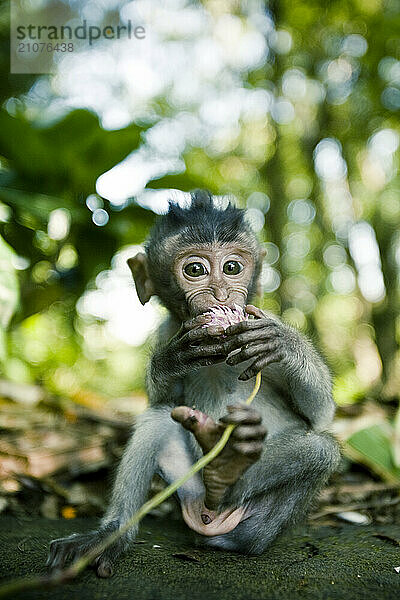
(204, 300)
(223, 316)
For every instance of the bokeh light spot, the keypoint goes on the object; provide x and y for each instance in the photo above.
(100, 217)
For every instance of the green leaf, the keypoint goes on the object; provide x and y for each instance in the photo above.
(181, 181)
(373, 447)
(66, 157)
(39, 206)
(396, 439)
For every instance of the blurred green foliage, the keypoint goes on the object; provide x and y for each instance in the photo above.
(45, 344)
(9, 293)
(322, 161)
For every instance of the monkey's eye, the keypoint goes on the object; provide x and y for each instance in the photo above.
(232, 267)
(195, 269)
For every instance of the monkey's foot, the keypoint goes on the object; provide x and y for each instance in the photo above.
(241, 451)
(68, 549)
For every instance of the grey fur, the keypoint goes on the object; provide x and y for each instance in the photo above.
(296, 405)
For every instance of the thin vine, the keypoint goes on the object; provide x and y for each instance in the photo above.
(81, 563)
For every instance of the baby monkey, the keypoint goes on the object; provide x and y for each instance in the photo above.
(279, 455)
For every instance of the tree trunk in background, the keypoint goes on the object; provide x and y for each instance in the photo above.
(384, 315)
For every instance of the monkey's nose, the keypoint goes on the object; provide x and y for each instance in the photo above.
(220, 294)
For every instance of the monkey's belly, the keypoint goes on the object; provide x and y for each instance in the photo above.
(220, 387)
(217, 387)
(208, 522)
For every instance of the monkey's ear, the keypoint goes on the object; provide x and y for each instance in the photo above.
(139, 267)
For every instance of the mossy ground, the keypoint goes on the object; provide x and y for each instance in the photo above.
(317, 563)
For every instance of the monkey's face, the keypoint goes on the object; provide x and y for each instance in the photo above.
(211, 275)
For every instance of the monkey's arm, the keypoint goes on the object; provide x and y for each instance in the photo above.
(289, 363)
(308, 382)
(138, 465)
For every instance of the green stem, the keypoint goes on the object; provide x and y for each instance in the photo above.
(86, 559)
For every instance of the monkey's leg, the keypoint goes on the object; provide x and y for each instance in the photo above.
(243, 448)
(241, 451)
(278, 489)
(175, 460)
(138, 465)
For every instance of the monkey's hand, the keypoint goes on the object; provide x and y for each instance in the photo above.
(243, 448)
(261, 339)
(69, 549)
(192, 347)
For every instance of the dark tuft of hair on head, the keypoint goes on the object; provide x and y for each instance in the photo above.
(200, 223)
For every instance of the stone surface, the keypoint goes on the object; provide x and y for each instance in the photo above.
(347, 561)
